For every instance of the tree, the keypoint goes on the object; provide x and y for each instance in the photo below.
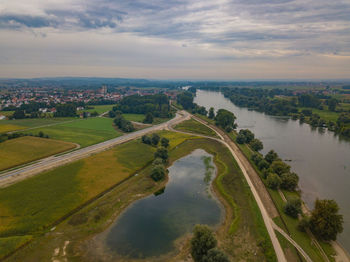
(279, 167)
(155, 139)
(186, 100)
(273, 181)
(64, 110)
(202, 241)
(263, 164)
(293, 207)
(249, 135)
(112, 114)
(215, 255)
(164, 142)
(256, 145)
(271, 156)
(332, 104)
(19, 114)
(158, 172)
(289, 181)
(256, 158)
(325, 221)
(240, 139)
(149, 118)
(225, 118)
(161, 153)
(146, 140)
(211, 113)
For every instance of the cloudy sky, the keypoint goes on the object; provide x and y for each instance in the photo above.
(176, 39)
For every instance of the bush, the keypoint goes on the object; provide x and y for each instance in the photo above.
(155, 139)
(303, 224)
(293, 207)
(256, 145)
(161, 153)
(273, 181)
(164, 142)
(215, 255)
(271, 156)
(146, 140)
(256, 158)
(158, 173)
(263, 164)
(279, 167)
(202, 241)
(240, 139)
(157, 161)
(149, 118)
(289, 181)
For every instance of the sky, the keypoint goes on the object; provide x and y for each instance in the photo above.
(176, 39)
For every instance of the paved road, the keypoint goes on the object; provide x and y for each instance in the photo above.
(16, 175)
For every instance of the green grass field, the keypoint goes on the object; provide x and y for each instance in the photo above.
(194, 126)
(23, 124)
(324, 114)
(85, 132)
(134, 117)
(99, 109)
(26, 149)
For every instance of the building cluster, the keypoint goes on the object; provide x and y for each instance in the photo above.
(15, 97)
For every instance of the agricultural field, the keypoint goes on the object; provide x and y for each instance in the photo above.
(84, 132)
(194, 126)
(100, 109)
(324, 114)
(26, 149)
(6, 113)
(23, 124)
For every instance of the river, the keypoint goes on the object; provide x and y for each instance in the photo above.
(151, 226)
(321, 159)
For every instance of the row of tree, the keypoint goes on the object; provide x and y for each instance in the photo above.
(123, 124)
(245, 136)
(5, 137)
(158, 105)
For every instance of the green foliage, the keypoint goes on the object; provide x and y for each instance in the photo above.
(325, 221)
(203, 240)
(271, 156)
(65, 110)
(273, 181)
(157, 104)
(293, 207)
(112, 114)
(256, 144)
(148, 118)
(146, 140)
(211, 113)
(155, 139)
(241, 139)
(164, 142)
(123, 124)
(215, 255)
(303, 224)
(289, 181)
(225, 118)
(185, 99)
(162, 153)
(19, 114)
(263, 164)
(249, 136)
(158, 172)
(279, 167)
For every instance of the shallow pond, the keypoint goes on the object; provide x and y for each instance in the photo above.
(150, 226)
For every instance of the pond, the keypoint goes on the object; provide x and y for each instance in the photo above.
(319, 157)
(151, 226)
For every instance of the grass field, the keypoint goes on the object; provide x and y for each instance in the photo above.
(6, 113)
(324, 114)
(52, 194)
(99, 109)
(25, 149)
(194, 126)
(85, 132)
(23, 124)
(134, 117)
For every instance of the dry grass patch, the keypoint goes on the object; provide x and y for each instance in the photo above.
(8, 128)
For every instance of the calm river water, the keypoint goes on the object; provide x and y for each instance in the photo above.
(151, 225)
(321, 159)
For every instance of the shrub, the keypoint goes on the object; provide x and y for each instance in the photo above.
(158, 172)
(202, 241)
(273, 181)
(293, 207)
(289, 181)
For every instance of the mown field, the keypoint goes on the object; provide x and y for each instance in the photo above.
(100, 109)
(25, 149)
(85, 132)
(134, 117)
(194, 126)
